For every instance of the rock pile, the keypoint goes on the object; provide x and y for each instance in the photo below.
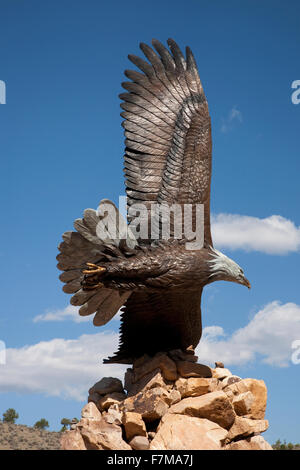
(172, 403)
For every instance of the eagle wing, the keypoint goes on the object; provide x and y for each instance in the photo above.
(168, 132)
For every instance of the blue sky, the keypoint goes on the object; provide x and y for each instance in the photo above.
(61, 147)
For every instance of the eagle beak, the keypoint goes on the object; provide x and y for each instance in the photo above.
(246, 283)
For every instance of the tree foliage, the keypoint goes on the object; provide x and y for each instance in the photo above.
(285, 446)
(10, 416)
(41, 424)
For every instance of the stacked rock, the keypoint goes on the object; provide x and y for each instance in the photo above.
(172, 403)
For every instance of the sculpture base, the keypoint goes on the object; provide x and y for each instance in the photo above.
(172, 402)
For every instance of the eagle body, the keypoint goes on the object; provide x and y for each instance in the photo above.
(157, 283)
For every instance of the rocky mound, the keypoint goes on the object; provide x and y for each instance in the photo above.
(172, 403)
(21, 437)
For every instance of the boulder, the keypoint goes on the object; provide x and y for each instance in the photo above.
(235, 389)
(251, 443)
(230, 379)
(242, 403)
(220, 373)
(259, 391)
(243, 427)
(179, 432)
(134, 425)
(110, 399)
(139, 443)
(151, 404)
(90, 411)
(113, 415)
(72, 440)
(195, 386)
(107, 385)
(100, 435)
(94, 397)
(214, 406)
(190, 369)
(151, 380)
(219, 364)
(173, 397)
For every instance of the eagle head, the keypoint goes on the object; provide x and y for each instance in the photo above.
(223, 268)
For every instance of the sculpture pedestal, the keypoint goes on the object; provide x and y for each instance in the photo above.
(171, 402)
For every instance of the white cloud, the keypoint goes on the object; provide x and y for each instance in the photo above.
(272, 235)
(60, 367)
(68, 313)
(234, 115)
(267, 337)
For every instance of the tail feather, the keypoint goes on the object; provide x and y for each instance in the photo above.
(86, 246)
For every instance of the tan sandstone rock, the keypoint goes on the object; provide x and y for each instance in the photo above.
(243, 427)
(179, 432)
(230, 379)
(151, 404)
(139, 443)
(100, 435)
(220, 373)
(90, 411)
(173, 397)
(134, 425)
(235, 389)
(214, 406)
(242, 403)
(110, 399)
(195, 386)
(251, 443)
(113, 415)
(219, 364)
(259, 391)
(72, 440)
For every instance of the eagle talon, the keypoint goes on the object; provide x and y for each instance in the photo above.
(93, 269)
(92, 287)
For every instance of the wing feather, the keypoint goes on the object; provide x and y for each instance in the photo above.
(167, 129)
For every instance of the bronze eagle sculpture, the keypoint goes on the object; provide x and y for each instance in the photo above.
(157, 283)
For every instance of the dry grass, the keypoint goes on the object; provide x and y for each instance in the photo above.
(20, 437)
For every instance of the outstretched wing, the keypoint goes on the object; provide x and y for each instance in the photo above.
(168, 132)
(152, 322)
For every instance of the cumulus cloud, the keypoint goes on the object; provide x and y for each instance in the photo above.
(272, 235)
(268, 337)
(68, 313)
(60, 367)
(234, 115)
